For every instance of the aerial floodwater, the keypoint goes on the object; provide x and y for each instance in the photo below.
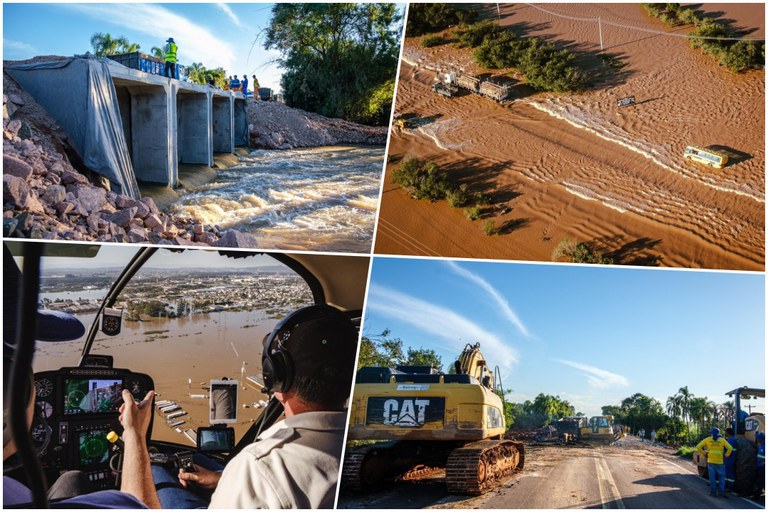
(304, 199)
(577, 165)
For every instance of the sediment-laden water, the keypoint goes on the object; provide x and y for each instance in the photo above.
(313, 199)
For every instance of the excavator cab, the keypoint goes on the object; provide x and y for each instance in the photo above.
(184, 322)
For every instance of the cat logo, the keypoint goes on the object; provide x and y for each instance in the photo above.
(406, 412)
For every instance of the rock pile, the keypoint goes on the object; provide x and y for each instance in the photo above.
(276, 126)
(45, 197)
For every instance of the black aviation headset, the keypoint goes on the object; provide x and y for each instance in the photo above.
(276, 362)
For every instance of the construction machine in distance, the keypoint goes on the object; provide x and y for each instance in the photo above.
(430, 420)
(746, 426)
(600, 429)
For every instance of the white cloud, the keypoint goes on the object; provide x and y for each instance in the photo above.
(228, 12)
(494, 293)
(196, 43)
(18, 46)
(597, 377)
(440, 322)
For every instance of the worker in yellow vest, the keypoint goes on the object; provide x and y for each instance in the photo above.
(170, 51)
(714, 447)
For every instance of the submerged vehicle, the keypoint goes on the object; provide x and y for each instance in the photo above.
(445, 89)
(746, 426)
(176, 335)
(706, 156)
(432, 420)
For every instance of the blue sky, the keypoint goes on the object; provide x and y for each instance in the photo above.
(592, 335)
(214, 34)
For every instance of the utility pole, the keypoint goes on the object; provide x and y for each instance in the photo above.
(600, 29)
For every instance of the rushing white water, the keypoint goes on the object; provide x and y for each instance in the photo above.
(314, 199)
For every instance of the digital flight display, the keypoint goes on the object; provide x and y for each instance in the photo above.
(94, 447)
(88, 396)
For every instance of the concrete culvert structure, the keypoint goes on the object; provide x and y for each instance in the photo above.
(144, 111)
(240, 121)
(78, 94)
(193, 121)
(223, 141)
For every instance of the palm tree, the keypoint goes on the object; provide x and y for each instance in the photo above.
(674, 406)
(197, 73)
(157, 53)
(701, 413)
(104, 45)
(128, 47)
(681, 403)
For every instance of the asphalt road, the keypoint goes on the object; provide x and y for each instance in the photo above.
(627, 475)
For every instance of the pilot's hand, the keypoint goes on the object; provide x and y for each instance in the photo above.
(202, 477)
(135, 417)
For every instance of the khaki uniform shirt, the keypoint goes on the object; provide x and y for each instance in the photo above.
(293, 464)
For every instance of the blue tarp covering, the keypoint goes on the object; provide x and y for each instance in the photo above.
(79, 94)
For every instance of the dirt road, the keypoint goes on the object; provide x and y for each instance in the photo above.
(627, 475)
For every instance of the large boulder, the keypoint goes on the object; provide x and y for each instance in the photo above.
(16, 167)
(54, 194)
(232, 238)
(123, 217)
(92, 199)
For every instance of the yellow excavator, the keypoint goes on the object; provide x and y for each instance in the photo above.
(428, 419)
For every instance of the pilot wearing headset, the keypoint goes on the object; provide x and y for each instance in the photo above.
(307, 362)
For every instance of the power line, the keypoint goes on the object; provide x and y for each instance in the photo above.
(640, 29)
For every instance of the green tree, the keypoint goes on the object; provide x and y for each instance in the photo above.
(157, 53)
(338, 58)
(641, 411)
(196, 73)
(423, 357)
(424, 18)
(744, 55)
(218, 75)
(104, 45)
(381, 350)
(578, 252)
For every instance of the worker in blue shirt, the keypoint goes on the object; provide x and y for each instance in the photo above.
(234, 84)
(244, 84)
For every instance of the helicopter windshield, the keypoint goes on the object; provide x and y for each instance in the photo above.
(185, 318)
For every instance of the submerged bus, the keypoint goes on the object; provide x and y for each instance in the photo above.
(706, 156)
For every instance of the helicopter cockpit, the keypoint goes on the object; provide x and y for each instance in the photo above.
(187, 323)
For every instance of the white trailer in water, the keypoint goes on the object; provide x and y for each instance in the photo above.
(469, 82)
(494, 91)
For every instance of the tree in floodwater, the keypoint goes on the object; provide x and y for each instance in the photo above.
(105, 44)
(340, 60)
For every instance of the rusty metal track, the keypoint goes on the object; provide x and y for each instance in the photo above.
(483, 465)
(352, 470)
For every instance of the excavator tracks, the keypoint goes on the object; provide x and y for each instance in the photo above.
(478, 467)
